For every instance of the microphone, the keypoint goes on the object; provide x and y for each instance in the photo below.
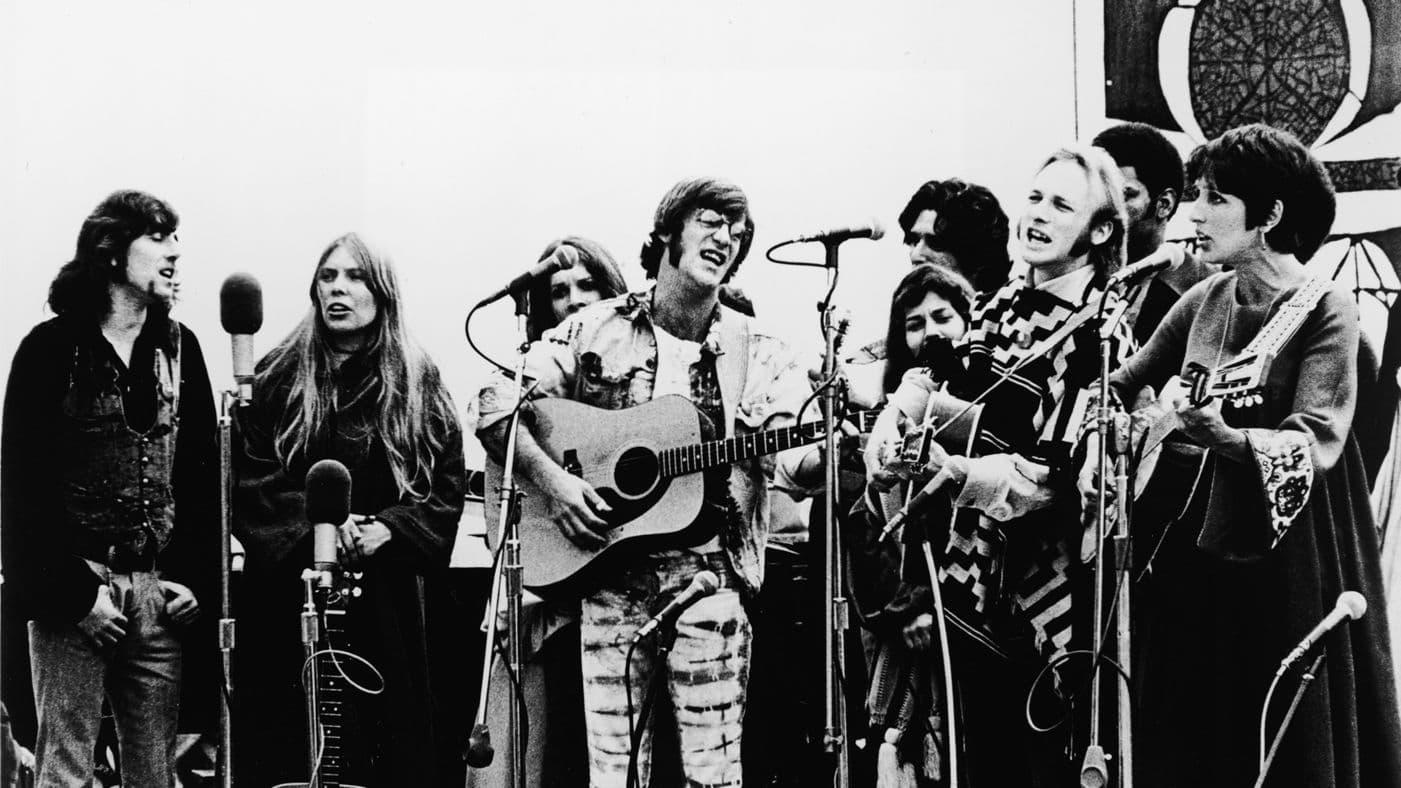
(938, 353)
(871, 228)
(562, 258)
(241, 314)
(327, 506)
(918, 502)
(1166, 256)
(479, 749)
(702, 585)
(1351, 605)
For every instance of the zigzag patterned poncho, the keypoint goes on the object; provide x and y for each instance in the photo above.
(1021, 567)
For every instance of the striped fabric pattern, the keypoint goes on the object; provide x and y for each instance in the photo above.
(1034, 413)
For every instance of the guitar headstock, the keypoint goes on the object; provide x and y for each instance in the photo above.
(1238, 382)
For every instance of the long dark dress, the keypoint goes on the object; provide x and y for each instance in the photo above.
(1233, 588)
(387, 625)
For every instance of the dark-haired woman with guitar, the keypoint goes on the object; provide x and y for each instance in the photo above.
(348, 384)
(1277, 523)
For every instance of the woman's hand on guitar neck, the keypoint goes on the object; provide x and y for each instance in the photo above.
(574, 506)
(1205, 426)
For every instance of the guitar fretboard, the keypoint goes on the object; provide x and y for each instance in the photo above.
(330, 700)
(681, 460)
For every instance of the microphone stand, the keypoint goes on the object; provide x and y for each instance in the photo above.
(1113, 440)
(1304, 683)
(665, 639)
(941, 620)
(228, 400)
(834, 739)
(311, 636)
(508, 572)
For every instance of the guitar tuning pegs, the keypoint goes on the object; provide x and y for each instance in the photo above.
(357, 592)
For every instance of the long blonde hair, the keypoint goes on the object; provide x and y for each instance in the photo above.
(413, 409)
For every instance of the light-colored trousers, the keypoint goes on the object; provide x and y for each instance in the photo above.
(140, 676)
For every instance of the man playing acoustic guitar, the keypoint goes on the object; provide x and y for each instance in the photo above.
(624, 352)
(1009, 553)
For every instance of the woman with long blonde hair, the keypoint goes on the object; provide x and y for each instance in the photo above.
(348, 383)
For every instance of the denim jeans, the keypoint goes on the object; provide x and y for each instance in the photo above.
(140, 676)
(706, 670)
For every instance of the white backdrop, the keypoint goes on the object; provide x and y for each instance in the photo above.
(462, 138)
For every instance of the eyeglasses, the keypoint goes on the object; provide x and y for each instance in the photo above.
(713, 220)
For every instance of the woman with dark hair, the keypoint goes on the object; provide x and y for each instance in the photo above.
(930, 301)
(595, 278)
(551, 683)
(349, 384)
(932, 304)
(1278, 524)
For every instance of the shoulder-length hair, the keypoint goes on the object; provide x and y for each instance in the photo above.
(922, 280)
(599, 264)
(412, 408)
(1261, 164)
(80, 289)
(970, 225)
(691, 195)
(1104, 177)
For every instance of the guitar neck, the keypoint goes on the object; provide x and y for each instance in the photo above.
(330, 700)
(681, 460)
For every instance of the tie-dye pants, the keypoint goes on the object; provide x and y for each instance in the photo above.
(706, 670)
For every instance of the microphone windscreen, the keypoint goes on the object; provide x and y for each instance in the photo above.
(877, 229)
(327, 493)
(1354, 603)
(938, 353)
(241, 304)
(707, 582)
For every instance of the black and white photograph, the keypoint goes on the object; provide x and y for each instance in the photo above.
(910, 394)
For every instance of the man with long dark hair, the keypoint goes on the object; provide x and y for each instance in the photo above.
(960, 226)
(110, 476)
(676, 339)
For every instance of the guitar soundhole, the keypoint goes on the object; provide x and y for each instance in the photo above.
(636, 472)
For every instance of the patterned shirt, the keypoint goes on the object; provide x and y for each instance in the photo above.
(1022, 567)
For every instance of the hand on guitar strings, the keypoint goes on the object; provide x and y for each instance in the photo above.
(891, 460)
(574, 506)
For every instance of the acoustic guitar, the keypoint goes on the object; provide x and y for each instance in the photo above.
(647, 462)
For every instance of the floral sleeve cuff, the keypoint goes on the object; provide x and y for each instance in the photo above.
(1285, 467)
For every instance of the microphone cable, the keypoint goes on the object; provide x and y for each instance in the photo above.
(467, 329)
